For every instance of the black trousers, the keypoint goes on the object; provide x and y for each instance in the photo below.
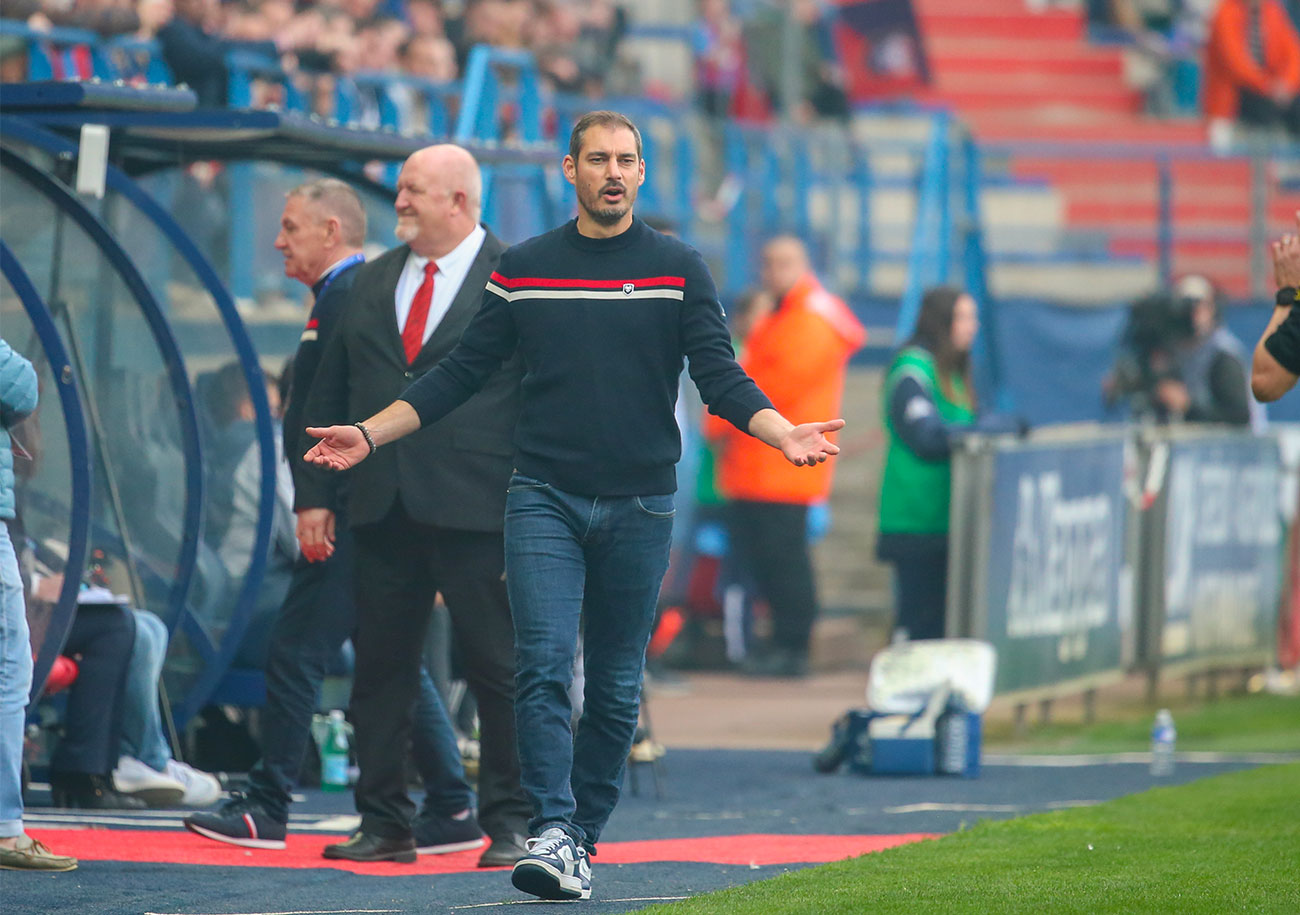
(920, 581)
(1261, 111)
(400, 565)
(100, 640)
(318, 614)
(771, 544)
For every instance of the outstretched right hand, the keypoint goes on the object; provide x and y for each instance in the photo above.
(339, 448)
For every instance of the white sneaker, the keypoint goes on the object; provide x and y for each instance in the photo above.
(555, 867)
(201, 788)
(157, 789)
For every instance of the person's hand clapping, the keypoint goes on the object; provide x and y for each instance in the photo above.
(339, 448)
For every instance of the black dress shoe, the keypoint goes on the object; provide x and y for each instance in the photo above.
(89, 792)
(365, 847)
(504, 851)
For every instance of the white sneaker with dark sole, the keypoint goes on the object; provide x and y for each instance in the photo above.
(157, 789)
(555, 867)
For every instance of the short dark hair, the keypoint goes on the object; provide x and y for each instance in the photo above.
(604, 119)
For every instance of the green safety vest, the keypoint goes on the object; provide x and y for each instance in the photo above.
(914, 493)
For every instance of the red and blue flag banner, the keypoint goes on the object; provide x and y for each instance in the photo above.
(881, 47)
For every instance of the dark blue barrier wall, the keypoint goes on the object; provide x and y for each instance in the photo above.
(1055, 357)
(1054, 590)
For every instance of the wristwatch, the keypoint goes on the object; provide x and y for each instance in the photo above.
(1286, 296)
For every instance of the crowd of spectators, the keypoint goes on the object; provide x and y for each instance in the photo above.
(740, 59)
(314, 41)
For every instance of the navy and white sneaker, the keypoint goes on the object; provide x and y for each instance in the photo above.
(239, 821)
(555, 867)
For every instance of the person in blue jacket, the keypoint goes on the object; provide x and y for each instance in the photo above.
(18, 851)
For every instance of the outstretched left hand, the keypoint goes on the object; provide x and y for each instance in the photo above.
(806, 445)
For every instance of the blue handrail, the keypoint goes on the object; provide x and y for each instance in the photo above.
(928, 260)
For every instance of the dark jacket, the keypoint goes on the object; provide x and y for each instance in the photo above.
(332, 296)
(199, 59)
(452, 473)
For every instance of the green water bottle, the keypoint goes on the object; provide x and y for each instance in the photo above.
(334, 754)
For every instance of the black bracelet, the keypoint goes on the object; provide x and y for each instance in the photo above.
(366, 432)
(1286, 296)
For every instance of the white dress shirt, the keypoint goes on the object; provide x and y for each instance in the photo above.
(452, 270)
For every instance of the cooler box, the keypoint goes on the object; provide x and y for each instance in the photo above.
(901, 746)
(924, 701)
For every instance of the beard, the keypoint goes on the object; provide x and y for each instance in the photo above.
(407, 231)
(605, 215)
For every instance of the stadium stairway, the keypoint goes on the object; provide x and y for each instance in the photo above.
(1019, 76)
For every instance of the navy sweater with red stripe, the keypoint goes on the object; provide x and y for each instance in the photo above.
(604, 325)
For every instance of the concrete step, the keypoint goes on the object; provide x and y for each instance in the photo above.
(1071, 124)
(937, 21)
(1083, 282)
(1067, 60)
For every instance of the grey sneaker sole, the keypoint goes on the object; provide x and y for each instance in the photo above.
(537, 878)
(450, 847)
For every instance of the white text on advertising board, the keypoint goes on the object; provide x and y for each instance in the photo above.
(1061, 562)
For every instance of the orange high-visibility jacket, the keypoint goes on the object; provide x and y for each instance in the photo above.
(1229, 65)
(797, 355)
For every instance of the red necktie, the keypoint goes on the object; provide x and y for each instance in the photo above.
(413, 332)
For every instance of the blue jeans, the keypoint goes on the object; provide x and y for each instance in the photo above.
(142, 733)
(15, 684)
(598, 560)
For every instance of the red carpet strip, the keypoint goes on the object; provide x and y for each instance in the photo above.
(303, 851)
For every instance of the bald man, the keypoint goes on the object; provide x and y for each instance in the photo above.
(421, 527)
(797, 354)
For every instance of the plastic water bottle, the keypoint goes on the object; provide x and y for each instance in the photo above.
(334, 754)
(1163, 737)
(952, 734)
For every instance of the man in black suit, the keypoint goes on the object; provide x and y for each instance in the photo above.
(420, 528)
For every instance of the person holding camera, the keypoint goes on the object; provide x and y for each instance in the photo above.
(1212, 384)
(1178, 363)
(1276, 364)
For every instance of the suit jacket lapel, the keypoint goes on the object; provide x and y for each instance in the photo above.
(466, 302)
(383, 300)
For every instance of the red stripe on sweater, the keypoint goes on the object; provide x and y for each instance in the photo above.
(551, 283)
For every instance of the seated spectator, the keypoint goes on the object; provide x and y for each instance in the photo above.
(196, 53)
(234, 487)
(81, 767)
(1252, 69)
(719, 48)
(425, 18)
(428, 57)
(820, 90)
(145, 767)
(107, 19)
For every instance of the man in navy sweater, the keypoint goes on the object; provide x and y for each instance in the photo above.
(603, 310)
